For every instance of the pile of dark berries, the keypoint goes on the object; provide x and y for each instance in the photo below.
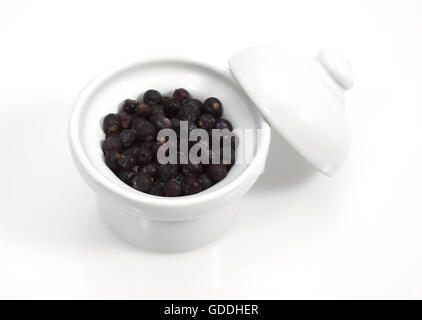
(130, 147)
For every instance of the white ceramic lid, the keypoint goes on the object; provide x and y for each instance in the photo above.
(302, 98)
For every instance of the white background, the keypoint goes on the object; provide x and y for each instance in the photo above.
(299, 234)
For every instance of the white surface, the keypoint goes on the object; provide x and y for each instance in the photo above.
(338, 67)
(299, 234)
(301, 99)
(155, 223)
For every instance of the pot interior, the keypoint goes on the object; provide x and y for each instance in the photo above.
(163, 74)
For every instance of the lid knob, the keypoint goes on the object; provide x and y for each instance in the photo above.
(338, 67)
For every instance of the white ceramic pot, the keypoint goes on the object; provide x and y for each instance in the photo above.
(159, 223)
(302, 98)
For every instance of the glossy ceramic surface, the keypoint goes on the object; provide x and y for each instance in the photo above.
(302, 98)
(143, 219)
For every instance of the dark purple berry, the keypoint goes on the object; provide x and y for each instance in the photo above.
(168, 171)
(191, 185)
(142, 182)
(126, 120)
(206, 121)
(145, 131)
(213, 107)
(126, 176)
(157, 110)
(222, 124)
(112, 160)
(127, 160)
(171, 107)
(189, 111)
(173, 188)
(196, 102)
(144, 155)
(157, 188)
(129, 106)
(154, 117)
(133, 150)
(155, 148)
(195, 109)
(111, 123)
(150, 168)
(136, 168)
(162, 123)
(176, 125)
(205, 181)
(152, 97)
(137, 121)
(188, 178)
(146, 144)
(143, 110)
(190, 168)
(130, 148)
(181, 95)
(217, 172)
(127, 137)
(180, 178)
(113, 134)
(112, 144)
